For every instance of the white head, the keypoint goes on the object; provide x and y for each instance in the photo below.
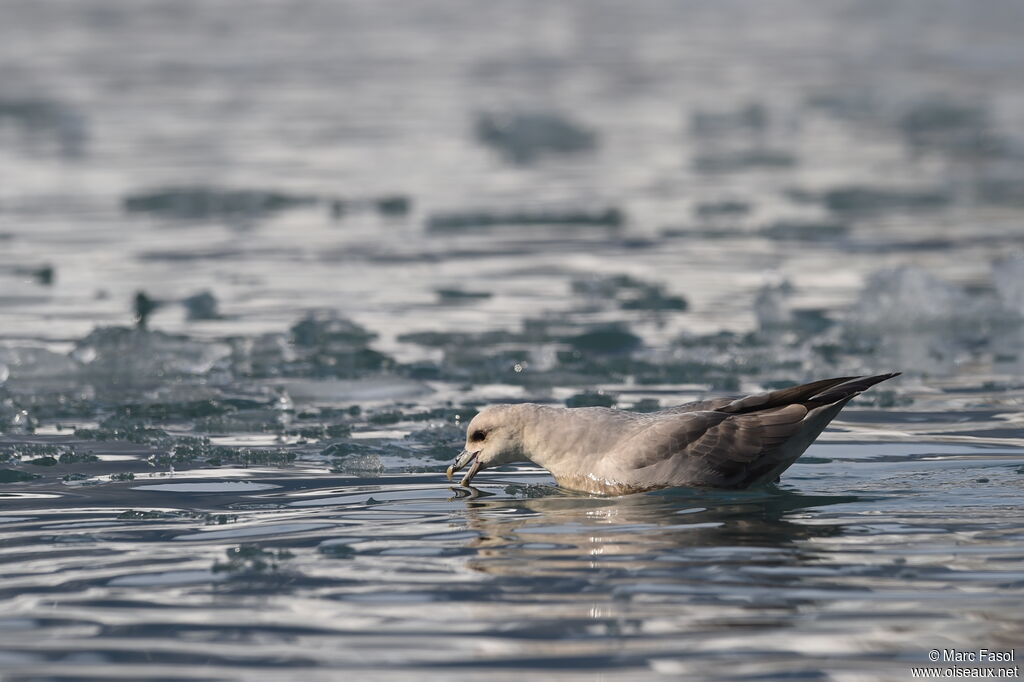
(493, 438)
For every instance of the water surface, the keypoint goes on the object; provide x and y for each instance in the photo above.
(354, 224)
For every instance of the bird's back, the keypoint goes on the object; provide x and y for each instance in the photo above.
(722, 443)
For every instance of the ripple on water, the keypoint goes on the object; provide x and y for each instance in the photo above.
(247, 483)
(218, 487)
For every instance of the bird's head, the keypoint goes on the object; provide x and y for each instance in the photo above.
(493, 438)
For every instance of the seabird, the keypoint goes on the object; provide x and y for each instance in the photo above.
(717, 443)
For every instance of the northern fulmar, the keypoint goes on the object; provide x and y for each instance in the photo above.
(716, 443)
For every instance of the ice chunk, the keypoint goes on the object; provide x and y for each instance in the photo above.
(262, 355)
(1008, 280)
(393, 205)
(845, 103)
(461, 295)
(524, 136)
(121, 355)
(726, 207)
(951, 127)
(752, 117)
(771, 309)
(197, 203)
(724, 162)
(201, 306)
(359, 465)
(465, 220)
(1001, 191)
(345, 391)
(774, 312)
(941, 116)
(865, 199)
(630, 293)
(325, 328)
(797, 230)
(14, 419)
(611, 339)
(322, 344)
(34, 364)
(908, 297)
(591, 399)
(55, 120)
(43, 274)
(440, 441)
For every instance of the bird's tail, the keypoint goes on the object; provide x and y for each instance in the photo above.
(814, 394)
(822, 406)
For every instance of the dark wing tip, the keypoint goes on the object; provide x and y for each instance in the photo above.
(850, 388)
(823, 392)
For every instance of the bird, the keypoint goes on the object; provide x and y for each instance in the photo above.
(728, 443)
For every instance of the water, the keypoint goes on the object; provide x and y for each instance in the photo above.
(353, 224)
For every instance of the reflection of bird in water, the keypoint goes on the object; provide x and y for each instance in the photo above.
(637, 533)
(609, 582)
(718, 443)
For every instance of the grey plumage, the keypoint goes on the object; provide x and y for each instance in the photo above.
(721, 443)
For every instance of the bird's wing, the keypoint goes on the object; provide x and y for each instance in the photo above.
(785, 396)
(700, 405)
(710, 447)
(734, 443)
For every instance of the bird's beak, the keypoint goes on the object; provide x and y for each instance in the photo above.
(465, 457)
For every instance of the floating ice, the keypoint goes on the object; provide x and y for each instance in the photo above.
(856, 199)
(196, 203)
(34, 364)
(591, 399)
(609, 217)
(326, 329)
(728, 207)
(795, 230)
(845, 103)
(358, 465)
(770, 308)
(370, 389)
(394, 205)
(1001, 191)
(752, 117)
(323, 344)
(16, 476)
(208, 487)
(461, 295)
(201, 306)
(390, 205)
(1008, 279)
(120, 355)
(951, 127)
(724, 162)
(57, 121)
(43, 274)
(908, 297)
(612, 339)
(525, 136)
(941, 116)
(630, 293)
(774, 312)
(439, 441)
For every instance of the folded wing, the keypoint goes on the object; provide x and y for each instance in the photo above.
(741, 442)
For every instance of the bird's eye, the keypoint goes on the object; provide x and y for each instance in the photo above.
(478, 435)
